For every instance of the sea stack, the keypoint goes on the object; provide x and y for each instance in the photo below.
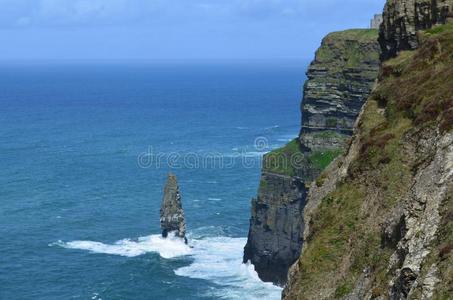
(171, 212)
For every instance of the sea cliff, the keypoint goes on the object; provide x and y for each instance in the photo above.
(378, 221)
(339, 80)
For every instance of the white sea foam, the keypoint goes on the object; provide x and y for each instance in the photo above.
(219, 260)
(242, 154)
(285, 139)
(215, 199)
(254, 153)
(272, 127)
(216, 259)
(167, 248)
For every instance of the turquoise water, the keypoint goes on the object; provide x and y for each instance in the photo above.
(79, 210)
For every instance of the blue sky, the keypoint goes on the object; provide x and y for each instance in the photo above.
(174, 29)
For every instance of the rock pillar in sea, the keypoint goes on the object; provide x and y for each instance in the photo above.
(171, 212)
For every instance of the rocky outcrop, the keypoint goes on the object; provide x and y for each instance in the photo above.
(275, 237)
(339, 80)
(402, 20)
(421, 214)
(379, 224)
(171, 212)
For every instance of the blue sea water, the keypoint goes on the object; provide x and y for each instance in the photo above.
(80, 189)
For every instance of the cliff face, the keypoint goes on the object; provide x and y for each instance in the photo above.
(403, 18)
(379, 224)
(274, 239)
(339, 80)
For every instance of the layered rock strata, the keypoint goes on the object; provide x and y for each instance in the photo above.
(403, 18)
(171, 212)
(339, 80)
(379, 224)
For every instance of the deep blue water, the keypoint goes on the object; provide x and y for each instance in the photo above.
(79, 208)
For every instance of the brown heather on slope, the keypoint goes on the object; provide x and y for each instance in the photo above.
(379, 225)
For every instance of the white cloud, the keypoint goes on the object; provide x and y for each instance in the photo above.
(73, 12)
(119, 12)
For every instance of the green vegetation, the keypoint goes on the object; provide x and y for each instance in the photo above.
(263, 184)
(284, 160)
(343, 289)
(351, 43)
(439, 29)
(356, 34)
(320, 160)
(287, 160)
(418, 86)
(320, 180)
(415, 91)
(335, 221)
(343, 236)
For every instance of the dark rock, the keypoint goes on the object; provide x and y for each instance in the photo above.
(393, 229)
(402, 20)
(403, 285)
(171, 212)
(276, 227)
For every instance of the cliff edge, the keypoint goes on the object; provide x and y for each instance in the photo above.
(339, 81)
(379, 223)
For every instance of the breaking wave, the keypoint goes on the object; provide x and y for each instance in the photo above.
(215, 258)
(219, 260)
(167, 248)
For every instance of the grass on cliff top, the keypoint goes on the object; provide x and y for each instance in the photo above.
(355, 34)
(350, 43)
(284, 160)
(415, 90)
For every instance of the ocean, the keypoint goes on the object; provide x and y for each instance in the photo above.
(85, 149)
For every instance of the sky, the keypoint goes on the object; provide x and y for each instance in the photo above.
(174, 29)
